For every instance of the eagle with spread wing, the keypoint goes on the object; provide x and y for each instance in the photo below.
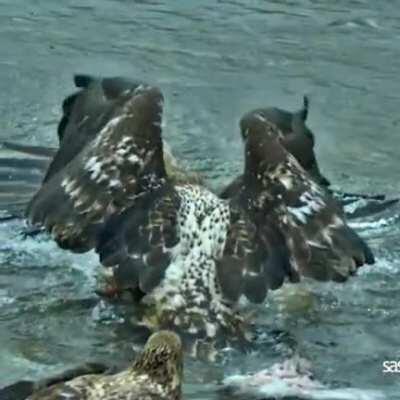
(191, 254)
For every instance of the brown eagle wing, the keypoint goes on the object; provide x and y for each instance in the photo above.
(123, 162)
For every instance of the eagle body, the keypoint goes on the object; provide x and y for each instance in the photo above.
(181, 274)
(191, 255)
(190, 291)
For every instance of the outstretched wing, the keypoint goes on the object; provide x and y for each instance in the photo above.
(255, 258)
(296, 137)
(138, 242)
(122, 163)
(335, 250)
(320, 242)
(85, 113)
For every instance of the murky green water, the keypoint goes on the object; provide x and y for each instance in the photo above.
(213, 61)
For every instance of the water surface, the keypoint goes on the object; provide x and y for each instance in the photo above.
(214, 61)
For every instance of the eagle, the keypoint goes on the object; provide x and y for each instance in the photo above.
(297, 138)
(156, 373)
(191, 256)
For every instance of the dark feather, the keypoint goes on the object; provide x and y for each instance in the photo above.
(296, 137)
(318, 238)
(230, 276)
(139, 239)
(104, 178)
(85, 113)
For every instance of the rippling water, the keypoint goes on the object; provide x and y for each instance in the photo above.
(213, 61)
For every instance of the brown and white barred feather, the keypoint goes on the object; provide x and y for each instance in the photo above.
(295, 137)
(106, 177)
(156, 374)
(167, 240)
(191, 254)
(168, 249)
(85, 113)
(320, 242)
(194, 260)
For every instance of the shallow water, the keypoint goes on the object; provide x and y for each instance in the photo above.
(214, 62)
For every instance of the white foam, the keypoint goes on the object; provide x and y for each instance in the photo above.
(41, 250)
(293, 378)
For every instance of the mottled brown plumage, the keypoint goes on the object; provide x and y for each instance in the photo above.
(320, 242)
(101, 107)
(191, 255)
(297, 139)
(106, 177)
(156, 374)
(89, 109)
(175, 243)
